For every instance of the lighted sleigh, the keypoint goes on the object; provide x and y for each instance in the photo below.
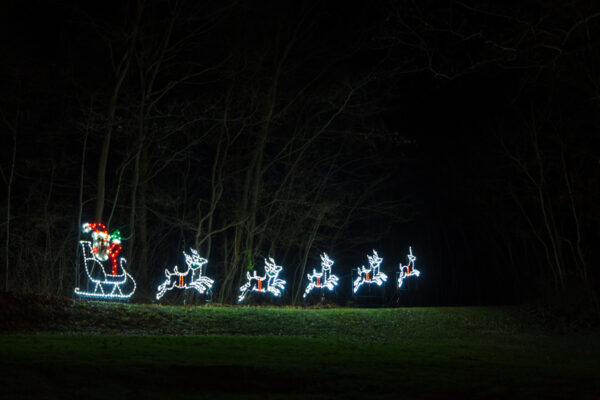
(115, 284)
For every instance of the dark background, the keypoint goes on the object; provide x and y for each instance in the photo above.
(249, 129)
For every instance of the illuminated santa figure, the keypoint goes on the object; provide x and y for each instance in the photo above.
(110, 281)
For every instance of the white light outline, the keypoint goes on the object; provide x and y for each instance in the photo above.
(410, 267)
(198, 281)
(273, 285)
(323, 279)
(370, 275)
(120, 280)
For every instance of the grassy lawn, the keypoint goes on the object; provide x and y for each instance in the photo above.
(104, 351)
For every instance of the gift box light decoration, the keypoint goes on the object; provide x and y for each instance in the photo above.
(408, 270)
(104, 246)
(192, 278)
(269, 283)
(323, 279)
(370, 275)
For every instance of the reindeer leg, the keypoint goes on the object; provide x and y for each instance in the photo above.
(166, 289)
(199, 287)
(357, 283)
(308, 289)
(244, 290)
(162, 289)
(206, 281)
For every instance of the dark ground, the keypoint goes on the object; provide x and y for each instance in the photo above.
(57, 348)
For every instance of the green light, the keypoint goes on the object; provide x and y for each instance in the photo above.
(116, 235)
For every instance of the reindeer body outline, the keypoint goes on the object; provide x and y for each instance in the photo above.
(262, 284)
(409, 269)
(322, 279)
(192, 278)
(370, 275)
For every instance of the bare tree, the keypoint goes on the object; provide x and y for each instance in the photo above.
(9, 184)
(122, 70)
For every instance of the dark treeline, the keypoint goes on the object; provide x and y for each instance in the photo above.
(291, 128)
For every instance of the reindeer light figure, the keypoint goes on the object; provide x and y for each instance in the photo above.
(262, 284)
(192, 278)
(372, 274)
(109, 283)
(408, 270)
(323, 279)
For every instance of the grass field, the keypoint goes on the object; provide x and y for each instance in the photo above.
(106, 351)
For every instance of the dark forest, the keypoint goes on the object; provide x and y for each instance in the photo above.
(378, 199)
(287, 129)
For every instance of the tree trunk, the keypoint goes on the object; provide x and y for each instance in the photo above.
(79, 217)
(122, 71)
(302, 269)
(8, 198)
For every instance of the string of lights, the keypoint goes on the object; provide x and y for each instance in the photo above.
(323, 279)
(192, 278)
(409, 269)
(269, 283)
(370, 275)
(95, 253)
(112, 285)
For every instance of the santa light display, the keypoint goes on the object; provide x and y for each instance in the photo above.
(109, 279)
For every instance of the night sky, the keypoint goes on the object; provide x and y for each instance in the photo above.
(285, 128)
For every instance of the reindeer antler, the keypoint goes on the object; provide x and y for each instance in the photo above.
(326, 260)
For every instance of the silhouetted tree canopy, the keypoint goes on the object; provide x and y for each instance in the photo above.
(285, 129)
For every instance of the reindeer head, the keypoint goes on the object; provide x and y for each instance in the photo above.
(326, 262)
(194, 259)
(374, 260)
(411, 258)
(271, 268)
